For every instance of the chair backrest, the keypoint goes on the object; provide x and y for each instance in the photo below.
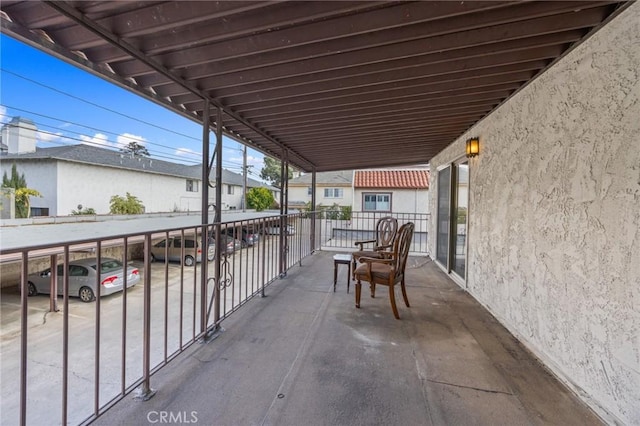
(386, 229)
(401, 248)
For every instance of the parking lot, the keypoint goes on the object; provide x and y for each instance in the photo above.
(175, 315)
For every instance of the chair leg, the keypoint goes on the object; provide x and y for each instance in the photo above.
(392, 298)
(404, 293)
(372, 286)
(358, 291)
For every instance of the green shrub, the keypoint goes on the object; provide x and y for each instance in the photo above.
(125, 205)
(259, 198)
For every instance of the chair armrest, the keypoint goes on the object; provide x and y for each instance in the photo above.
(382, 248)
(362, 243)
(374, 260)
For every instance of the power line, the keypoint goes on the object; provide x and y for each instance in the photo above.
(94, 104)
(84, 126)
(175, 157)
(158, 154)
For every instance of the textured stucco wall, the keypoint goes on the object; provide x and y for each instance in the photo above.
(554, 225)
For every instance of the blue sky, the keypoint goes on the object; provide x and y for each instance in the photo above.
(71, 106)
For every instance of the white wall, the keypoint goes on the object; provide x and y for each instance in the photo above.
(93, 186)
(301, 193)
(39, 175)
(402, 200)
(230, 201)
(554, 225)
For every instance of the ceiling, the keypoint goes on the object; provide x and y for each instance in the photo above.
(331, 85)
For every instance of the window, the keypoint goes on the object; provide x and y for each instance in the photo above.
(333, 193)
(78, 271)
(230, 189)
(162, 243)
(376, 202)
(192, 185)
(39, 211)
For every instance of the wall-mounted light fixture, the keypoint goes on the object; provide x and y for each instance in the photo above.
(473, 147)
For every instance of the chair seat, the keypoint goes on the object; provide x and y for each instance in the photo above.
(379, 272)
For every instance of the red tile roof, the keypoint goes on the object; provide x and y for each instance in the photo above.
(410, 179)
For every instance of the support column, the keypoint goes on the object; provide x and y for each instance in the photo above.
(245, 171)
(204, 242)
(281, 246)
(313, 210)
(220, 248)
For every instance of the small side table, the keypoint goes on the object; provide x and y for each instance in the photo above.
(341, 259)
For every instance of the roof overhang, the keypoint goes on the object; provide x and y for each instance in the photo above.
(330, 85)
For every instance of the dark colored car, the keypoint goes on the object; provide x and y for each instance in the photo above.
(246, 237)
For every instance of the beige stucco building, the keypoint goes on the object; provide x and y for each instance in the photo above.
(554, 217)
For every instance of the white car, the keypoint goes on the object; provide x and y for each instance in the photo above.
(275, 230)
(82, 278)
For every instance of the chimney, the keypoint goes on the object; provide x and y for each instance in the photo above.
(19, 135)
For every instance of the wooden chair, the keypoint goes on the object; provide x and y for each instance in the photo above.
(389, 271)
(386, 229)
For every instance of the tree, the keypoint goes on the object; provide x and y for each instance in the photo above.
(259, 198)
(22, 192)
(138, 150)
(125, 205)
(271, 172)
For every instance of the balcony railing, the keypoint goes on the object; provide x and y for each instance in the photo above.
(67, 361)
(340, 231)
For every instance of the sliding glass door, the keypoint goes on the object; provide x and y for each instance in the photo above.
(444, 209)
(453, 209)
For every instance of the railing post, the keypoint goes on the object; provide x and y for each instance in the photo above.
(23, 337)
(65, 341)
(53, 295)
(96, 373)
(144, 391)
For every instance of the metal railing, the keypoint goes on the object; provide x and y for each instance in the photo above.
(340, 231)
(65, 361)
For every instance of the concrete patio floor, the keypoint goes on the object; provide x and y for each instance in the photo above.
(305, 355)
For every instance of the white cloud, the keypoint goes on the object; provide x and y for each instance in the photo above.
(99, 140)
(256, 162)
(186, 152)
(48, 137)
(3, 115)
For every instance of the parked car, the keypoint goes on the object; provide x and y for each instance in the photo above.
(82, 278)
(275, 230)
(247, 238)
(172, 248)
(231, 244)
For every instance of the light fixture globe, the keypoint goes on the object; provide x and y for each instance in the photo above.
(473, 147)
